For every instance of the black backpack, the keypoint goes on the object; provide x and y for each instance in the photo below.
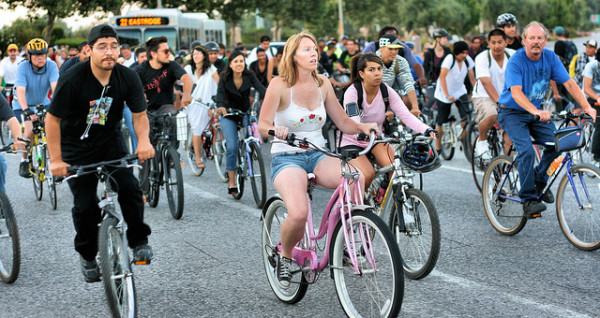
(454, 61)
(359, 99)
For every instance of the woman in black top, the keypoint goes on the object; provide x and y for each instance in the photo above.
(234, 93)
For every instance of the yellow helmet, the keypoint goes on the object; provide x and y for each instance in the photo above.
(37, 46)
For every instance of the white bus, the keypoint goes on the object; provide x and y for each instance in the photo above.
(181, 29)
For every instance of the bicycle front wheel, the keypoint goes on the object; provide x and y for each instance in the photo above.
(240, 174)
(153, 174)
(257, 175)
(447, 150)
(174, 183)
(478, 166)
(117, 276)
(275, 214)
(219, 152)
(377, 289)
(35, 166)
(10, 251)
(416, 227)
(50, 180)
(471, 133)
(501, 187)
(578, 207)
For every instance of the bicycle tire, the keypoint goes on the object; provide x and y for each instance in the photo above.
(174, 183)
(477, 166)
(3, 137)
(219, 153)
(505, 216)
(419, 242)
(447, 150)
(127, 138)
(351, 287)
(34, 166)
(258, 182)
(274, 215)
(10, 248)
(580, 224)
(191, 154)
(240, 173)
(472, 133)
(154, 180)
(50, 180)
(117, 277)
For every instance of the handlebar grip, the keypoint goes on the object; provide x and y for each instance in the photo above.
(362, 137)
(271, 132)
(536, 117)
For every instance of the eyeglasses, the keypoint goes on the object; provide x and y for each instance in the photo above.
(72, 55)
(103, 48)
(166, 51)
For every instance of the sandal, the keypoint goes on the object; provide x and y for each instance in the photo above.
(200, 165)
(233, 190)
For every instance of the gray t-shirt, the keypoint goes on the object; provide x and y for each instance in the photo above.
(592, 70)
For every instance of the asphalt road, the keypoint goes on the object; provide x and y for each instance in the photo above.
(208, 264)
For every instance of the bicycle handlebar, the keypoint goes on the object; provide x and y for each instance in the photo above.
(304, 143)
(79, 170)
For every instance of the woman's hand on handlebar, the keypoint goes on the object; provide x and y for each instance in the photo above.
(432, 133)
(367, 127)
(221, 111)
(281, 132)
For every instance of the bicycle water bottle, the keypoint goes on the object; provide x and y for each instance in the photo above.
(554, 165)
(382, 187)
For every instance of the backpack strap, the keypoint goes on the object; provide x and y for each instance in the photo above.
(385, 96)
(359, 93)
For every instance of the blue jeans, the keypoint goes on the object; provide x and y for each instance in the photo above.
(520, 127)
(129, 123)
(230, 131)
(3, 168)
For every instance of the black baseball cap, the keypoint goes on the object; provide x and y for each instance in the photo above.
(101, 31)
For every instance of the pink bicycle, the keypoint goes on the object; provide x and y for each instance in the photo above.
(363, 259)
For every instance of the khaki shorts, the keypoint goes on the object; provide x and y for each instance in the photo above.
(484, 107)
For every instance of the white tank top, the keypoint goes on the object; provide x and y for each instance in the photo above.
(302, 122)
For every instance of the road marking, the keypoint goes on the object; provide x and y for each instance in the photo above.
(235, 205)
(553, 310)
(462, 170)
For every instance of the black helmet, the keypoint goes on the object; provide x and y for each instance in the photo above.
(506, 19)
(211, 46)
(194, 45)
(440, 33)
(420, 156)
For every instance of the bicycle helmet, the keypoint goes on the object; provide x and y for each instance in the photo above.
(194, 45)
(37, 46)
(420, 156)
(440, 33)
(506, 19)
(211, 46)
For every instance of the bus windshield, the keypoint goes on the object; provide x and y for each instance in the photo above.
(131, 37)
(171, 35)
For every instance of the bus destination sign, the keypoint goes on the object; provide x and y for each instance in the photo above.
(136, 21)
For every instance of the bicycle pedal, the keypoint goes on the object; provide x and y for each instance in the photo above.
(141, 262)
(534, 216)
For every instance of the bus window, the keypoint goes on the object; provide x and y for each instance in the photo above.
(171, 35)
(131, 37)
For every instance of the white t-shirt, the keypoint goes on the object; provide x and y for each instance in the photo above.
(8, 70)
(592, 70)
(486, 66)
(455, 79)
(130, 61)
(271, 51)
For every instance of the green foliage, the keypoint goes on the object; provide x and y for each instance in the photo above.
(251, 37)
(71, 42)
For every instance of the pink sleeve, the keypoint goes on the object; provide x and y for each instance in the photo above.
(407, 118)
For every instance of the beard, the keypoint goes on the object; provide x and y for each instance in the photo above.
(106, 66)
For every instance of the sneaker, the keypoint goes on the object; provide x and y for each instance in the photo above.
(284, 271)
(532, 209)
(90, 270)
(482, 150)
(142, 254)
(24, 169)
(548, 196)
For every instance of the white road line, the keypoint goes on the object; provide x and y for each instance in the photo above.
(462, 170)
(235, 205)
(552, 310)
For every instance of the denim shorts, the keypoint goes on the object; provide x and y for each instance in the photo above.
(305, 160)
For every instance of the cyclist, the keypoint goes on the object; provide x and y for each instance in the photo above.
(141, 56)
(234, 93)
(396, 72)
(527, 77)
(213, 56)
(260, 66)
(127, 56)
(8, 67)
(507, 22)
(367, 76)
(35, 77)
(583, 59)
(490, 66)
(158, 75)
(433, 58)
(265, 44)
(343, 64)
(83, 127)
(274, 64)
(372, 47)
(83, 55)
(7, 115)
(206, 79)
(591, 88)
(298, 101)
(450, 86)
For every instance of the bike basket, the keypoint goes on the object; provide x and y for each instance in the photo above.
(569, 138)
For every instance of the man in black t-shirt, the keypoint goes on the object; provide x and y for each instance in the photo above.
(83, 127)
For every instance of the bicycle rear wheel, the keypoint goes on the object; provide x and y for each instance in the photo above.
(117, 276)
(505, 214)
(378, 290)
(478, 166)
(578, 207)
(191, 154)
(219, 151)
(416, 227)
(257, 177)
(240, 174)
(34, 166)
(274, 215)
(50, 180)
(471, 134)
(447, 150)
(174, 183)
(154, 177)
(10, 250)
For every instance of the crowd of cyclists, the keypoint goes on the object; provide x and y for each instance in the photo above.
(299, 86)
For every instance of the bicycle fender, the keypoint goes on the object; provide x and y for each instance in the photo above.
(267, 204)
